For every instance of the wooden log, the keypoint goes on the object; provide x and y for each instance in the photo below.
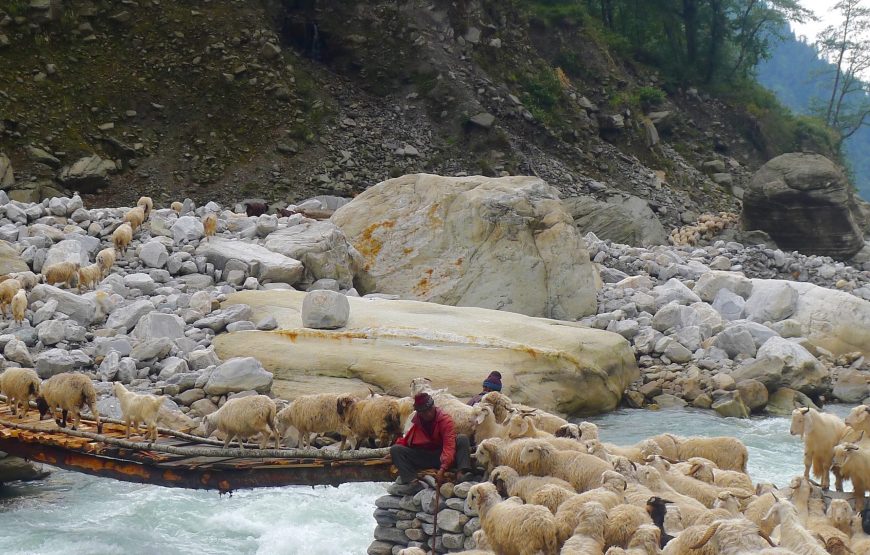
(214, 452)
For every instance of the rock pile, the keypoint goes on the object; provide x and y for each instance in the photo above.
(706, 333)
(406, 515)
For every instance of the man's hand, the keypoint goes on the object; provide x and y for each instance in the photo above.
(439, 478)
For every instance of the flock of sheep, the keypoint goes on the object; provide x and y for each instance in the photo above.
(65, 394)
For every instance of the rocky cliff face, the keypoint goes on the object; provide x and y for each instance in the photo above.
(225, 100)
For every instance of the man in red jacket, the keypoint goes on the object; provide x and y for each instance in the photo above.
(430, 443)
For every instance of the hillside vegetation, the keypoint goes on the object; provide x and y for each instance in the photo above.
(229, 99)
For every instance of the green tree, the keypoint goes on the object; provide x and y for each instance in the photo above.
(848, 46)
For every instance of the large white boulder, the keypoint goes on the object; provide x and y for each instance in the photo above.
(238, 374)
(556, 365)
(68, 250)
(835, 320)
(504, 243)
(321, 247)
(79, 308)
(265, 265)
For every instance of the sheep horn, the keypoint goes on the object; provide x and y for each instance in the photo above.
(633, 466)
(668, 459)
(707, 535)
(774, 496)
(766, 538)
(741, 495)
(692, 469)
(804, 410)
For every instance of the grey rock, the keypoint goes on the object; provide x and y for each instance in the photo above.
(153, 254)
(140, 281)
(172, 366)
(325, 310)
(239, 374)
(852, 386)
(202, 359)
(731, 404)
(771, 304)
(155, 325)
(729, 304)
(80, 309)
(219, 319)
(68, 250)
(265, 264)
(736, 340)
(53, 361)
(187, 229)
(16, 351)
(51, 332)
(124, 318)
(151, 349)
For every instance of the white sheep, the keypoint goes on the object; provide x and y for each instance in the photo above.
(856, 422)
(523, 425)
(177, 207)
(728, 453)
(136, 408)
(609, 495)
(19, 385)
(588, 536)
(485, 425)
(313, 414)
(89, 276)
(122, 237)
(8, 290)
(860, 541)
(503, 406)
(209, 225)
(19, 306)
(496, 451)
(406, 412)
(68, 392)
(734, 536)
(757, 512)
(582, 471)
(513, 528)
(551, 496)
(820, 433)
(853, 462)
(374, 417)
(622, 521)
(106, 259)
(62, 272)
(146, 204)
(243, 417)
(27, 279)
(706, 471)
(135, 217)
(509, 483)
(644, 541)
(683, 542)
(836, 523)
(706, 493)
(792, 534)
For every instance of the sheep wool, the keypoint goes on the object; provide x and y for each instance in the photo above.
(820, 433)
(242, 418)
(62, 272)
(19, 306)
(8, 290)
(122, 236)
(136, 408)
(19, 385)
(375, 417)
(89, 276)
(310, 414)
(68, 392)
(135, 217)
(177, 207)
(511, 527)
(106, 259)
(146, 204)
(853, 460)
(209, 225)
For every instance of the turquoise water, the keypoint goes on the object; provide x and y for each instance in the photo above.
(76, 514)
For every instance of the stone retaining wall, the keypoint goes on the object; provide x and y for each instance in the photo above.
(405, 518)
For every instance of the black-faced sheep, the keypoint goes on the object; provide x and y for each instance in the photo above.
(313, 414)
(820, 433)
(136, 408)
(243, 417)
(68, 392)
(513, 528)
(19, 385)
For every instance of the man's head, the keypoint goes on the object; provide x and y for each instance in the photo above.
(424, 404)
(492, 382)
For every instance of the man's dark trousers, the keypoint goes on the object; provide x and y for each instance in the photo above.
(410, 460)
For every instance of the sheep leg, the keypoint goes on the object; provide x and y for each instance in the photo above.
(13, 404)
(838, 478)
(808, 463)
(826, 477)
(64, 413)
(274, 429)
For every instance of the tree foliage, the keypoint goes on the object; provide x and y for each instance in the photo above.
(700, 41)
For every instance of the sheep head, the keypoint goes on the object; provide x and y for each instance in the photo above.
(343, 405)
(485, 452)
(588, 430)
(614, 480)
(419, 385)
(500, 475)
(702, 471)
(781, 509)
(858, 415)
(571, 431)
(536, 452)
(798, 421)
(481, 495)
(518, 426)
(209, 424)
(481, 412)
(840, 513)
(42, 406)
(118, 389)
(842, 453)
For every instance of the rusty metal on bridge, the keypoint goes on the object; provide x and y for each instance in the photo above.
(181, 460)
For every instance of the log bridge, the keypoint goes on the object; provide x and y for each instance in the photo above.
(178, 459)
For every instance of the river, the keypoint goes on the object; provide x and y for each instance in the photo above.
(75, 514)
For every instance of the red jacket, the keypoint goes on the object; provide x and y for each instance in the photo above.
(443, 437)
